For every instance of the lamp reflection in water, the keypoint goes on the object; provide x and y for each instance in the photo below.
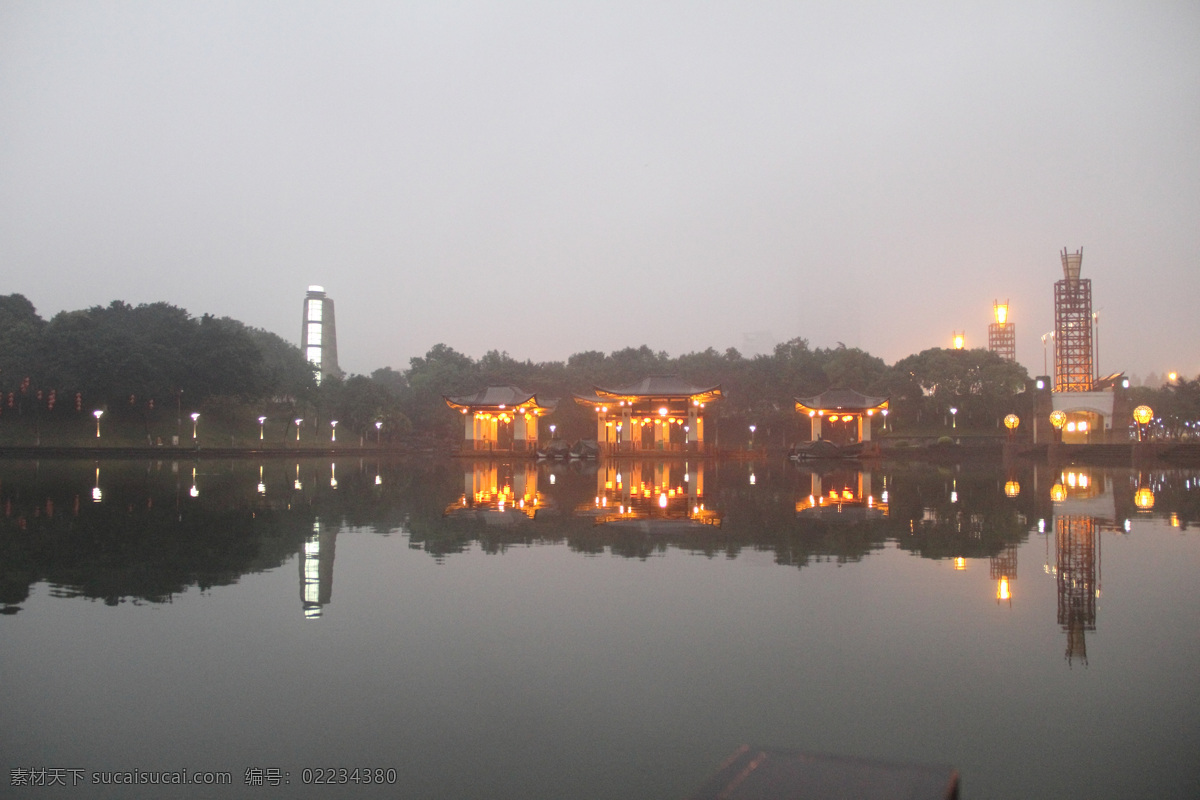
(262, 487)
(97, 495)
(194, 491)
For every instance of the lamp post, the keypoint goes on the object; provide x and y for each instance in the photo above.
(619, 424)
(97, 414)
(552, 429)
(333, 430)
(1142, 415)
(1058, 419)
(261, 420)
(1011, 421)
(1045, 362)
(298, 422)
(953, 417)
(753, 428)
(885, 413)
(195, 419)
(378, 431)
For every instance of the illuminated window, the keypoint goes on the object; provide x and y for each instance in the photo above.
(314, 333)
(314, 355)
(315, 309)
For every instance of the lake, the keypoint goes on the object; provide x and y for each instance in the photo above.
(460, 629)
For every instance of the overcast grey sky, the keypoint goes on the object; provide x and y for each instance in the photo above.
(547, 178)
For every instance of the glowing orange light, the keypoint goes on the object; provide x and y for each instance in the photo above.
(1144, 499)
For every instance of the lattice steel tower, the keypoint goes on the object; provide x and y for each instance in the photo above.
(1073, 364)
(1002, 334)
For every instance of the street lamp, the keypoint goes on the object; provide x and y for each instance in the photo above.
(885, 413)
(1011, 421)
(261, 420)
(752, 429)
(1058, 419)
(195, 417)
(298, 422)
(1142, 415)
(333, 430)
(953, 417)
(552, 428)
(97, 414)
(378, 431)
(619, 424)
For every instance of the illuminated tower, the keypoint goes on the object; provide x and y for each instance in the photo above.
(318, 339)
(1073, 366)
(1002, 334)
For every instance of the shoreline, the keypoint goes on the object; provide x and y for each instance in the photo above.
(1131, 454)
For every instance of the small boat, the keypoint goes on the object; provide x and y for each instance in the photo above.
(585, 448)
(555, 449)
(823, 448)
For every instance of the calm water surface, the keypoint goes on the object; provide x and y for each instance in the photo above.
(504, 630)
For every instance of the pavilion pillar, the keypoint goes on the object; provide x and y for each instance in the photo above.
(698, 432)
(601, 419)
(660, 425)
(864, 427)
(470, 425)
(518, 430)
(816, 427)
(626, 427)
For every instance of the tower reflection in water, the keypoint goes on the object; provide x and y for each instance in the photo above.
(316, 569)
(1084, 506)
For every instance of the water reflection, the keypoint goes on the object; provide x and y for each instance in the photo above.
(138, 531)
(650, 496)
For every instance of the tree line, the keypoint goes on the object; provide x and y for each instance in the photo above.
(158, 359)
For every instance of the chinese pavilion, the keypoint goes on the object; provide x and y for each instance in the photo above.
(500, 418)
(841, 415)
(660, 413)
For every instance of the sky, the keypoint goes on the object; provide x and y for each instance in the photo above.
(550, 178)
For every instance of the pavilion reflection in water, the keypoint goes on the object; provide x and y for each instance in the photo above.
(655, 496)
(499, 493)
(845, 494)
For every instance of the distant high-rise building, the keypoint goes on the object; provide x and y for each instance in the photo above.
(1074, 369)
(1002, 334)
(318, 338)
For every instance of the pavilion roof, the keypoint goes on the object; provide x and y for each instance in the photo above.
(499, 397)
(841, 400)
(656, 387)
